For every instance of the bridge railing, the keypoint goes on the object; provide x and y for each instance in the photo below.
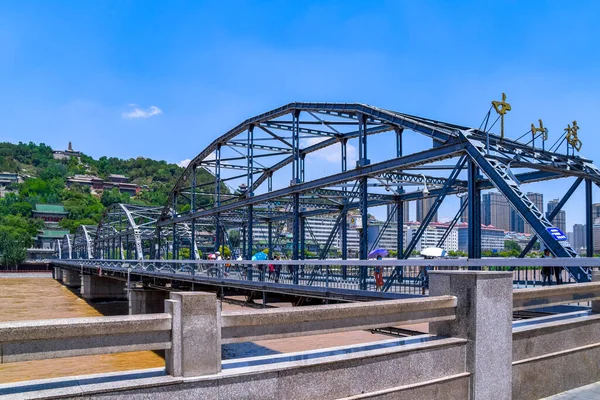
(394, 276)
(70, 337)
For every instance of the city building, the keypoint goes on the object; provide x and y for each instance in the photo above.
(596, 235)
(423, 207)
(538, 200)
(495, 210)
(391, 210)
(517, 223)
(66, 154)
(578, 239)
(491, 238)
(521, 238)
(560, 220)
(595, 211)
(432, 235)
(464, 216)
(318, 230)
(96, 183)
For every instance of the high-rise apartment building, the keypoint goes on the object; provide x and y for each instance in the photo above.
(538, 200)
(495, 210)
(464, 216)
(391, 210)
(595, 211)
(423, 207)
(578, 240)
(517, 223)
(560, 220)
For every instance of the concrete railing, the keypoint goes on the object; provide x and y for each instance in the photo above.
(526, 299)
(555, 353)
(471, 310)
(243, 326)
(70, 337)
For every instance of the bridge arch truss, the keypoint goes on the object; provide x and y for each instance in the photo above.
(262, 175)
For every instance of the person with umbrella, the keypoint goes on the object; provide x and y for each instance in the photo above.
(378, 270)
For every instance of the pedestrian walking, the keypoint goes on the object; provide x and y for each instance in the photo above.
(277, 269)
(546, 271)
(378, 272)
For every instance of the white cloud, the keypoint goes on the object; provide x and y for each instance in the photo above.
(141, 113)
(184, 163)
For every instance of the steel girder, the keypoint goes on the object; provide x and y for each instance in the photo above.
(553, 214)
(83, 243)
(435, 206)
(67, 248)
(127, 223)
(435, 154)
(376, 121)
(500, 176)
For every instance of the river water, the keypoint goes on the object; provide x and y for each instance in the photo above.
(45, 298)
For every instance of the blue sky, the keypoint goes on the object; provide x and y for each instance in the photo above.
(75, 70)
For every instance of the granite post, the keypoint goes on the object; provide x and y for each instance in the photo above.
(196, 334)
(484, 318)
(596, 303)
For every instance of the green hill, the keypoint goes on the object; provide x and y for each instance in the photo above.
(45, 181)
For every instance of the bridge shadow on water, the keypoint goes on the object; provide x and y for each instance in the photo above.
(243, 350)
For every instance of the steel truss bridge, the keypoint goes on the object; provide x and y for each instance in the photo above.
(265, 179)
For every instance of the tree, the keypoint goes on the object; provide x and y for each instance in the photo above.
(21, 208)
(113, 196)
(234, 238)
(225, 251)
(15, 237)
(184, 253)
(510, 245)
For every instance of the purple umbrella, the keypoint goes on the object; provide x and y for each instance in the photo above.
(378, 252)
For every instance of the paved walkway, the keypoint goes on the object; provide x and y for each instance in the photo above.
(20, 275)
(583, 393)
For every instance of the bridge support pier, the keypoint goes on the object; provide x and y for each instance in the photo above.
(146, 301)
(98, 288)
(70, 278)
(57, 274)
(484, 318)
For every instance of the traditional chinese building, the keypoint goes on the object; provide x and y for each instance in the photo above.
(66, 154)
(50, 212)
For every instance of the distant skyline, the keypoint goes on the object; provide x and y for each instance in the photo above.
(164, 79)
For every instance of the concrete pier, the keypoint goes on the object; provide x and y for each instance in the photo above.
(146, 301)
(57, 274)
(71, 279)
(98, 288)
